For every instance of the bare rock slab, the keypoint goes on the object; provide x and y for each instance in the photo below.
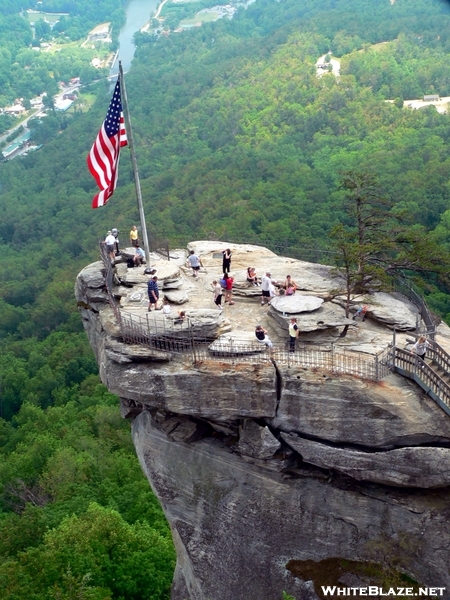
(296, 304)
(257, 441)
(403, 467)
(345, 410)
(327, 316)
(394, 311)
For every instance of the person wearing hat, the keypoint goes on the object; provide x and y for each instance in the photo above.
(266, 282)
(115, 233)
(110, 242)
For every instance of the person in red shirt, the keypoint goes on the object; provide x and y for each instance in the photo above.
(228, 288)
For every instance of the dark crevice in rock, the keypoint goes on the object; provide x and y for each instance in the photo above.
(344, 572)
(278, 385)
(361, 447)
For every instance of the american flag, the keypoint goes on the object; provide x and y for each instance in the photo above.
(103, 159)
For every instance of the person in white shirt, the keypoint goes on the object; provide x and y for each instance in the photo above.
(195, 263)
(266, 282)
(110, 242)
(218, 292)
(420, 347)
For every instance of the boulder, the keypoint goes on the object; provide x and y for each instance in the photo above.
(257, 441)
(393, 310)
(327, 316)
(176, 296)
(295, 304)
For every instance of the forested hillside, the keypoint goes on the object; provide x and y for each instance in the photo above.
(235, 134)
(24, 71)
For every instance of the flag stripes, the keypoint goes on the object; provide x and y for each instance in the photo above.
(103, 158)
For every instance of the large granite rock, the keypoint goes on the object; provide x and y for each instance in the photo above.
(404, 467)
(222, 439)
(347, 410)
(236, 526)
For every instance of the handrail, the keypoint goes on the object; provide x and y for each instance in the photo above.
(181, 340)
(412, 366)
(439, 356)
(406, 289)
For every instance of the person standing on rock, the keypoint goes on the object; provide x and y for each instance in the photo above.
(262, 337)
(195, 263)
(218, 292)
(134, 237)
(153, 293)
(110, 242)
(115, 233)
(228, 288)
(266, 282)
(226, 261)
(293, 333)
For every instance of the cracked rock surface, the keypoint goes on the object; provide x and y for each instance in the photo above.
(259, 463)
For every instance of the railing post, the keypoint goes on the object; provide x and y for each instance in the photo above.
(332, 357)
(377, 376)
(194, 358)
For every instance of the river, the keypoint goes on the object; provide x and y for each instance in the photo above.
(137, 15)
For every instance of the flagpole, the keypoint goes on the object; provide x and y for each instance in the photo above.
(134, 162)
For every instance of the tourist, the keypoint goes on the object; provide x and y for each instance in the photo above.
(181, 317)
(167, 309)
(139, 256)
(228, 288)
(153, 293)
(115, 233)
(195, 263)
(226, 261)
(290, 286)
(262, 337)
(266, 282)
(293, 334)
(110, 242)
(218, 292)
(361, 312)
(134, 236)
(273, 291)
(251, 276)
(420, 347)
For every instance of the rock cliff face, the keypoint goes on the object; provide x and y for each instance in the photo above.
(259, 464)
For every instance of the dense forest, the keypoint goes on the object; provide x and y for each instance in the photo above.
(235, 134)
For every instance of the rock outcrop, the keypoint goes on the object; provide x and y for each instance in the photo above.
(260, 461)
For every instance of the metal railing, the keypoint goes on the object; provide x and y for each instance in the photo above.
(412, 366)
(406, 288)
(109, 280)
(182, 341)
(439, 357)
